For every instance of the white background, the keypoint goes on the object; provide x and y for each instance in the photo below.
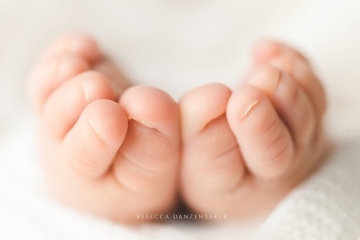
(174, 45)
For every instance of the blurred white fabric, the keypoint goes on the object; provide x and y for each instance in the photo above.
(177, 45)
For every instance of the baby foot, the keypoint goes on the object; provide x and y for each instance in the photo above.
(244, 151)
(112, 157)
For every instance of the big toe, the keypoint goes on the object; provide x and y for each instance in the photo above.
(147, 160)
(211, 162)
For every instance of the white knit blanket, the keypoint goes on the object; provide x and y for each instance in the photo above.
(177, 45)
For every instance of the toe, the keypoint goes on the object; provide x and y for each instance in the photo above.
(302, 73)
(108, 68)
(265, 50)
(211, 159)
(295, 64)
(64, 58)
(78, 44)
(65, 105)
(290, 101)
(148, 159)
(91, 145)
(264, 140)
(49, 75)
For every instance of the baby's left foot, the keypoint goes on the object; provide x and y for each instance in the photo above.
(244, 151)
(106, 149)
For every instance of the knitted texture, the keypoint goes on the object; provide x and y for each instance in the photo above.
(327, 206)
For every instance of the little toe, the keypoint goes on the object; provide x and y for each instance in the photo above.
(293, 63)
(265, 50)
(211, 161)
(265, 142)
(147, 160)
(302, 73)
(64, 58)
(78, 44)
(65, 105)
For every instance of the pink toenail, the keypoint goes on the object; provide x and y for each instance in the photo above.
(266, 79)
(300, 70)
(85, 89)
(251, 108)
(141, 122)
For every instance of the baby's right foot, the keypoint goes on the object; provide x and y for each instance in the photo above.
(244, 151)
(110, 157)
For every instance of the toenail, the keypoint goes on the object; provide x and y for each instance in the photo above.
(76, 42)
(300, 70)
(85, 89)
(251, 109)
(213, 120)
(62, 67)
(141, 122)
(100, 132)
(268, 48)
(267, 80)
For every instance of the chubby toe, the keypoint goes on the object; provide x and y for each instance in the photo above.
(92, 144)
(266, 144)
